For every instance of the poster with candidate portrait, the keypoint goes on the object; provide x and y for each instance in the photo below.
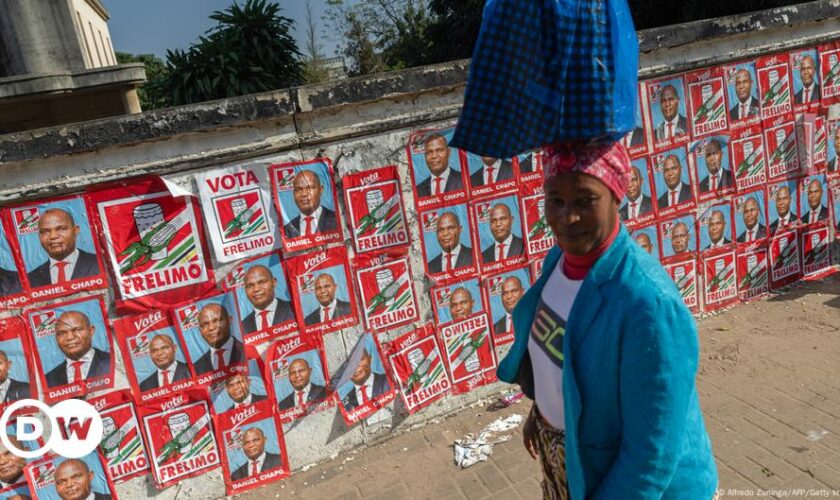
(638, 207)
(719, 280)
(677, 237)
(489, 176)
(647, 237)
(73, 348)
(468, 351)
(637, 141)
(813, 200)
(154, 241)
(774, 86)
(834, 185)
(449, 244)
(307, 201)
(530, 166)
(179, 436)
(815, 243)
(752, 269)
(417, 368)
(59, 253)
(748, 157)
(782, 205)
(154, 357)
(12, 473)
(237, 207)
(539, 237)
(437, 170)
(498, 228)
(750, 218)
(386, 289)
(297, 376)
(253, 448)
(11, 282)
(710, 163)
(17, 491)
(743, 105)
(263, 299)
(241, 386)
(666, 106)
(377, 214)
(714, 227)
(16, 366)
(707, 102)
(673, 182)
(683, 270)
(210, 331)
(805, 69)
(122, 446)
(782, 147)
(501, 293)
(829, 65)
(832, 130)
(58, 478)
(785, 262)
(323, 296)
(457, 301)
(362, 385)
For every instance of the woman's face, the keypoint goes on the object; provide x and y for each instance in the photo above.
(581, 210)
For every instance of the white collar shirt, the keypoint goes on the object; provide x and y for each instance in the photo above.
(70, 266)
(86, 360)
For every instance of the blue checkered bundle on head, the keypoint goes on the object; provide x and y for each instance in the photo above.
(548, 71)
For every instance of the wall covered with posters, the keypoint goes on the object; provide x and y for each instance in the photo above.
(248, 286)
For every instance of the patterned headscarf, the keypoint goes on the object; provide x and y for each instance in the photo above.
(606, 161)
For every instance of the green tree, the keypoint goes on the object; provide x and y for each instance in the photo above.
(313, 69)
(250, 50)
(155, 69)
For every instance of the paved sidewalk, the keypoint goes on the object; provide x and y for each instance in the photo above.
(770, 389)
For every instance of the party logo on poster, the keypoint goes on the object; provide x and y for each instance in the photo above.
(377, 216)
(784, 255)
(684, 274)
(469, 351)
(815, 245)
(719, 277)
(26, 220)
(122, 445)
(752, 274)
(774, 86)
(538, 234)
(830, 71)
(44, 323)
(418, 368)
(780, 139)
(708, 105)
(187, 317)
(748, 158)
(387, 294)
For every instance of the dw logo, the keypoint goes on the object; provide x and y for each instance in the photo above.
(75, 428)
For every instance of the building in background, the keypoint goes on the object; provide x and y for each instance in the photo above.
(335, 68)
(57, 65)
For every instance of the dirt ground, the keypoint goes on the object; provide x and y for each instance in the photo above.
(769, 383)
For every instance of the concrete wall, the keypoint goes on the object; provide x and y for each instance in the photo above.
(359, 123)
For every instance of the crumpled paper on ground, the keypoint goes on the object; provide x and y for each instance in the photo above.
(469, 450)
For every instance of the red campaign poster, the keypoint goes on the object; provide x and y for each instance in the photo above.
(386, 289)
(834, 185)
(647, 238)
(805, 78)
(530, 166)
(815, 256)
(12, 294)
(210, 331)
(719, 280)
(489, 176)
(497, 225)
(637, 141)
(377, 214)
(263, 298)
(752, 273)
(829, 72)
(677, 238)
(362, 383)
(438, 171)
(748, 157)
(667, 108)
(820, 143)
(469, 352)
(237, 207)
(536, 268)
(813, 199)
(782, 147)
(715, 227)
(417, 367)
(305, 196)
(179, 436)
(742, 94)
(806, 129)
(155, 243)
(16, 366)
(74, 348)
(539, 238)
(637, 207)
(684, 273)
(254, 452)
(449, 244)
(58, 478)
(832, 130)
(501, 294)
(750, 217)
(297, 375)
(154, 357)
(122, 446)
(774, 86)
(55, 243)
(783, 205)
(323, 293)
(673, 182)
(707, 102)
(711, 168)
(785, 264)
(17, 491)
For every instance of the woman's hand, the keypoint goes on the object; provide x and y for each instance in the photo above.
(529, 433)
